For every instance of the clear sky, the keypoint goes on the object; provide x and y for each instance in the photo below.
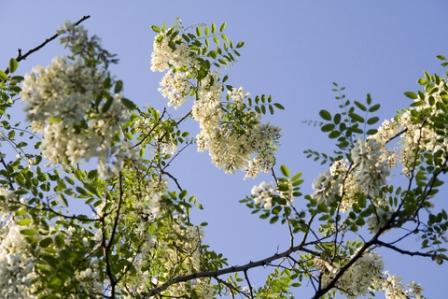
(294, 50)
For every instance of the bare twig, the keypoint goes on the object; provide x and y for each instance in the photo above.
(22, 56)
(407, 252)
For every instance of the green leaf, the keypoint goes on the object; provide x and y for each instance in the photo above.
(337, 118)
(372, 131)
(24, 222)
(198, 31)
(356, 117)
(223, 27)
(273, 220)
(27, 232)
(118, 86)
(334, 134)
(45, 242)
(13, 64)
(374, 108)
(325, 114)
(55, 282)
(240, 44)
(284, 169)
(369, 99)
(213, 28)
(129, 104)
(3, 75)
(411, 94)
(54, 119)
(279, 106)
(373, 120)
(107, 105)
(327, 128)
(155, 28)
(360, 106)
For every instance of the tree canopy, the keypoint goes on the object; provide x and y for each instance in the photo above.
(90, 208)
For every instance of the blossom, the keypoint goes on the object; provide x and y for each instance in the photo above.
(328, 186)
(238, 95)
(358, 278)
(17, 272)
(60, 103)
(393, 289)
(233, 143)
(378, 219)
(169, 51)
(387, 130)
(263, 194)
(372, 166)
(175, 86)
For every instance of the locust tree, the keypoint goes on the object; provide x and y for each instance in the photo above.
(82, 141)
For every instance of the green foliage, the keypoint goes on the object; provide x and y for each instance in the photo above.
(139, 240)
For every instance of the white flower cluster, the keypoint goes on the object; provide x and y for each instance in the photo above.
(8, 196)
(238, 95)
(366, 274)
(263, 194)
(175, 86)
(358, 278)
(170, 52)
(378, 219)
(60, 101)
(419, 137)
(328, 186)
(372, 163)
(73, 35)
(89, 279)
(394, 289)
(16, 264)
(387, 130)
(370, 168)
(251, 148)
(109, 165)
(150, 205)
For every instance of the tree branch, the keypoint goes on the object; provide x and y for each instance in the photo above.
(407, 252)
(24, 56)
(232, 269)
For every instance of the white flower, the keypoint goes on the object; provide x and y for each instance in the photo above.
(263, 194)
(238, 95)
(328, 186)
(59, 101)
(378, 220)
(166, 54)
(175, 86)
(372, 166)
(358, 278)
(17, 273)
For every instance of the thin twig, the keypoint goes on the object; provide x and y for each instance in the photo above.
(24, 56)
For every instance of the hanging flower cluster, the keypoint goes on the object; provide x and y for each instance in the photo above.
(367, 275)
(231, 133)
(17, 273)
(364, 177)
(263, 194)
(60, 103)
(358, 278)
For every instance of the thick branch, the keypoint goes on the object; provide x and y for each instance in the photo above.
(229, 270)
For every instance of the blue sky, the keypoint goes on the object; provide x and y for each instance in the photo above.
(294, 50)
